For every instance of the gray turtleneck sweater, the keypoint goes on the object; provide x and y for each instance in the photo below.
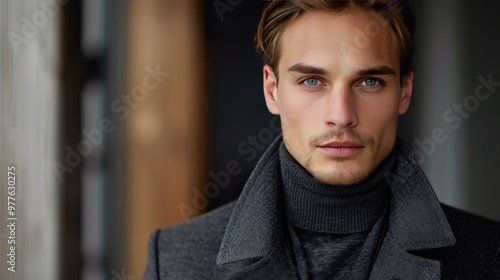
(334, 231)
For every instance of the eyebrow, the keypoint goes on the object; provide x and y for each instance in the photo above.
(307, 69)
(374, 71)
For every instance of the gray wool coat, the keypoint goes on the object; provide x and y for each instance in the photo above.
(246, 240)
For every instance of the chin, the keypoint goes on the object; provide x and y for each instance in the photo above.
(341, 176)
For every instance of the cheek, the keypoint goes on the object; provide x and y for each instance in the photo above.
(297, 118)
(294, 106)
(293, 121)
(380, 114)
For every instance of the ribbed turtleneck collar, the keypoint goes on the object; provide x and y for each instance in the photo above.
(315, 206)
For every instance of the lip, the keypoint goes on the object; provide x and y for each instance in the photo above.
(341, 149)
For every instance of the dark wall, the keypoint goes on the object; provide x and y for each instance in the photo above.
(481, 23)
(237, 109)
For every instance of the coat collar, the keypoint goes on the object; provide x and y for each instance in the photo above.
(256, 223)
(416, 222)
(254, 242)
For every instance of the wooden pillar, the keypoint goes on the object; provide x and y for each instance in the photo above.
(165, 145)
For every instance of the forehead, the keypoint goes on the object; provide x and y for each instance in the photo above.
(347, 41)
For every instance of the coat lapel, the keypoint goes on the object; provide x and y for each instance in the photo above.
(416, 222)
(253, 246)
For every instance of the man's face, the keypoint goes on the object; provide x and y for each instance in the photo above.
(339, 93)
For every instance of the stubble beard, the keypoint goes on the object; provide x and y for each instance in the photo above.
(345, 172)
(340, 175)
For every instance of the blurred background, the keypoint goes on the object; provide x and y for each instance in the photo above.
(122, 117)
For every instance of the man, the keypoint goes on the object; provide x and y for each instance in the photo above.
(339, 195)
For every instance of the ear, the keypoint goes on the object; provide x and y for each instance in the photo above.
(407, 90)
(271, 90)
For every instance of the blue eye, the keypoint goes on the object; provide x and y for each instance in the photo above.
(311, 82)
(370, 82)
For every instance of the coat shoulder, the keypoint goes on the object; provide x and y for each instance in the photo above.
(188, 250)
(471, 228)
(201, 229)
(476, 252)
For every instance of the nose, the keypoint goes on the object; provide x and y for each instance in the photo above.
(340, 108)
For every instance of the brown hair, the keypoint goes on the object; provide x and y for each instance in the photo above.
(278, 13)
